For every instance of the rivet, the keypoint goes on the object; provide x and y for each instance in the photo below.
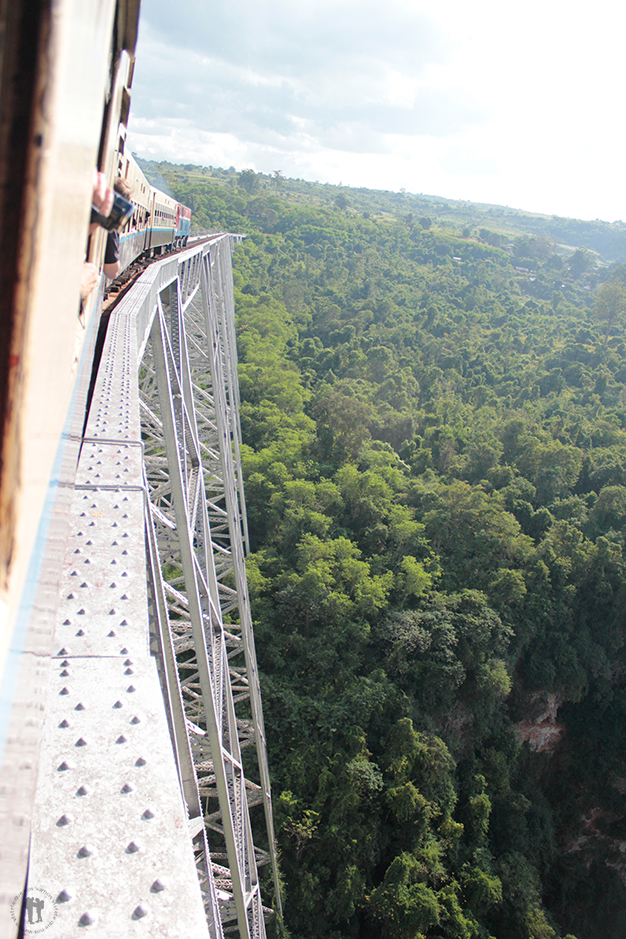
(81, 632)
(130, 689)
(70, 596)
(64, 723)
(136, 720)
(118, 704)
(124, 552)
(64, 691)
(124, 622)
(78, 551)
(132, 848)
(81, 612)
(87, 561)
(113, 561)
(88, 542)
(65, 895)
(127, 787)
(63, 651)
(114, 544)
(67, 622)
(113, 612)
(112, 585)
(149, 813)
(157, 886)
(129, 671)
(64, 673)
(124, 574)
(121, 739)
(87, 850)
(140, 761)
(66, 765)
(124, 651)
(81, 742)
(111, 634)
(65, 820)
(64, 664)
(83, 791)
(128, 662)
(140, 911)
(84, 584)
(87, 919)
(74, 574)
(124, 597)
(80, 706)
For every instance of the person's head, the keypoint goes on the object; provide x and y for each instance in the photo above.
(121, 185)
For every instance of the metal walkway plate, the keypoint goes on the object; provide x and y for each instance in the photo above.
(110, 841)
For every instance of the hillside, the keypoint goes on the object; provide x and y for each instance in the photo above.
(434, 419)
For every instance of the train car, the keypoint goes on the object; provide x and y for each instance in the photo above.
(163, 223)
(158, 224)
(183, 227)
(134, 236)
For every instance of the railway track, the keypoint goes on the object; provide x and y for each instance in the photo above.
(119, 287)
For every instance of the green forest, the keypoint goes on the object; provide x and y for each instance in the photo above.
(434, 426)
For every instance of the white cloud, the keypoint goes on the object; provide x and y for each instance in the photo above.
(485, 101)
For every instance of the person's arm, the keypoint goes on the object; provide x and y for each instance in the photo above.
(112, 270)
(101, 198)
(88, 279)
(112, 255)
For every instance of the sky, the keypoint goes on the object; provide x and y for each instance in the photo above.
(516, 104)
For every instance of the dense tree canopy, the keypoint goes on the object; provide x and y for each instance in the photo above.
(434, 422)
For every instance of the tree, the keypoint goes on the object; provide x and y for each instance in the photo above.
(249, 181)
(581, 261)
(610, 304)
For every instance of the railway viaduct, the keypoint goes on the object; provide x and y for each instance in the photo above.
(145, 769)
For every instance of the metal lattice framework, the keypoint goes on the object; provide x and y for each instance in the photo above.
(170, 355)
(189, 406)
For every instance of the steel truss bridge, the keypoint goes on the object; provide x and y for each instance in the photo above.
(153, 721)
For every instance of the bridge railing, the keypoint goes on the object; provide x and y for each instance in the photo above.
(143, 804)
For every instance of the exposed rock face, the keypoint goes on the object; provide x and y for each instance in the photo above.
(542, 731)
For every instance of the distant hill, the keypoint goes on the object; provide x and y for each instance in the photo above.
(607, 239)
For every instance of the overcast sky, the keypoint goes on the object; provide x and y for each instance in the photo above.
(518, 104)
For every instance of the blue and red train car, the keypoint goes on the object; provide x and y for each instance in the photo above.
(158, 224)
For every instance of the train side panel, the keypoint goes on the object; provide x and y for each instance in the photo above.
(162, 222)
(66, 68)
(134, 236)
(184, 225)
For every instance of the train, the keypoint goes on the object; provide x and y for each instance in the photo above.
(158, 224)
(65, 91)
